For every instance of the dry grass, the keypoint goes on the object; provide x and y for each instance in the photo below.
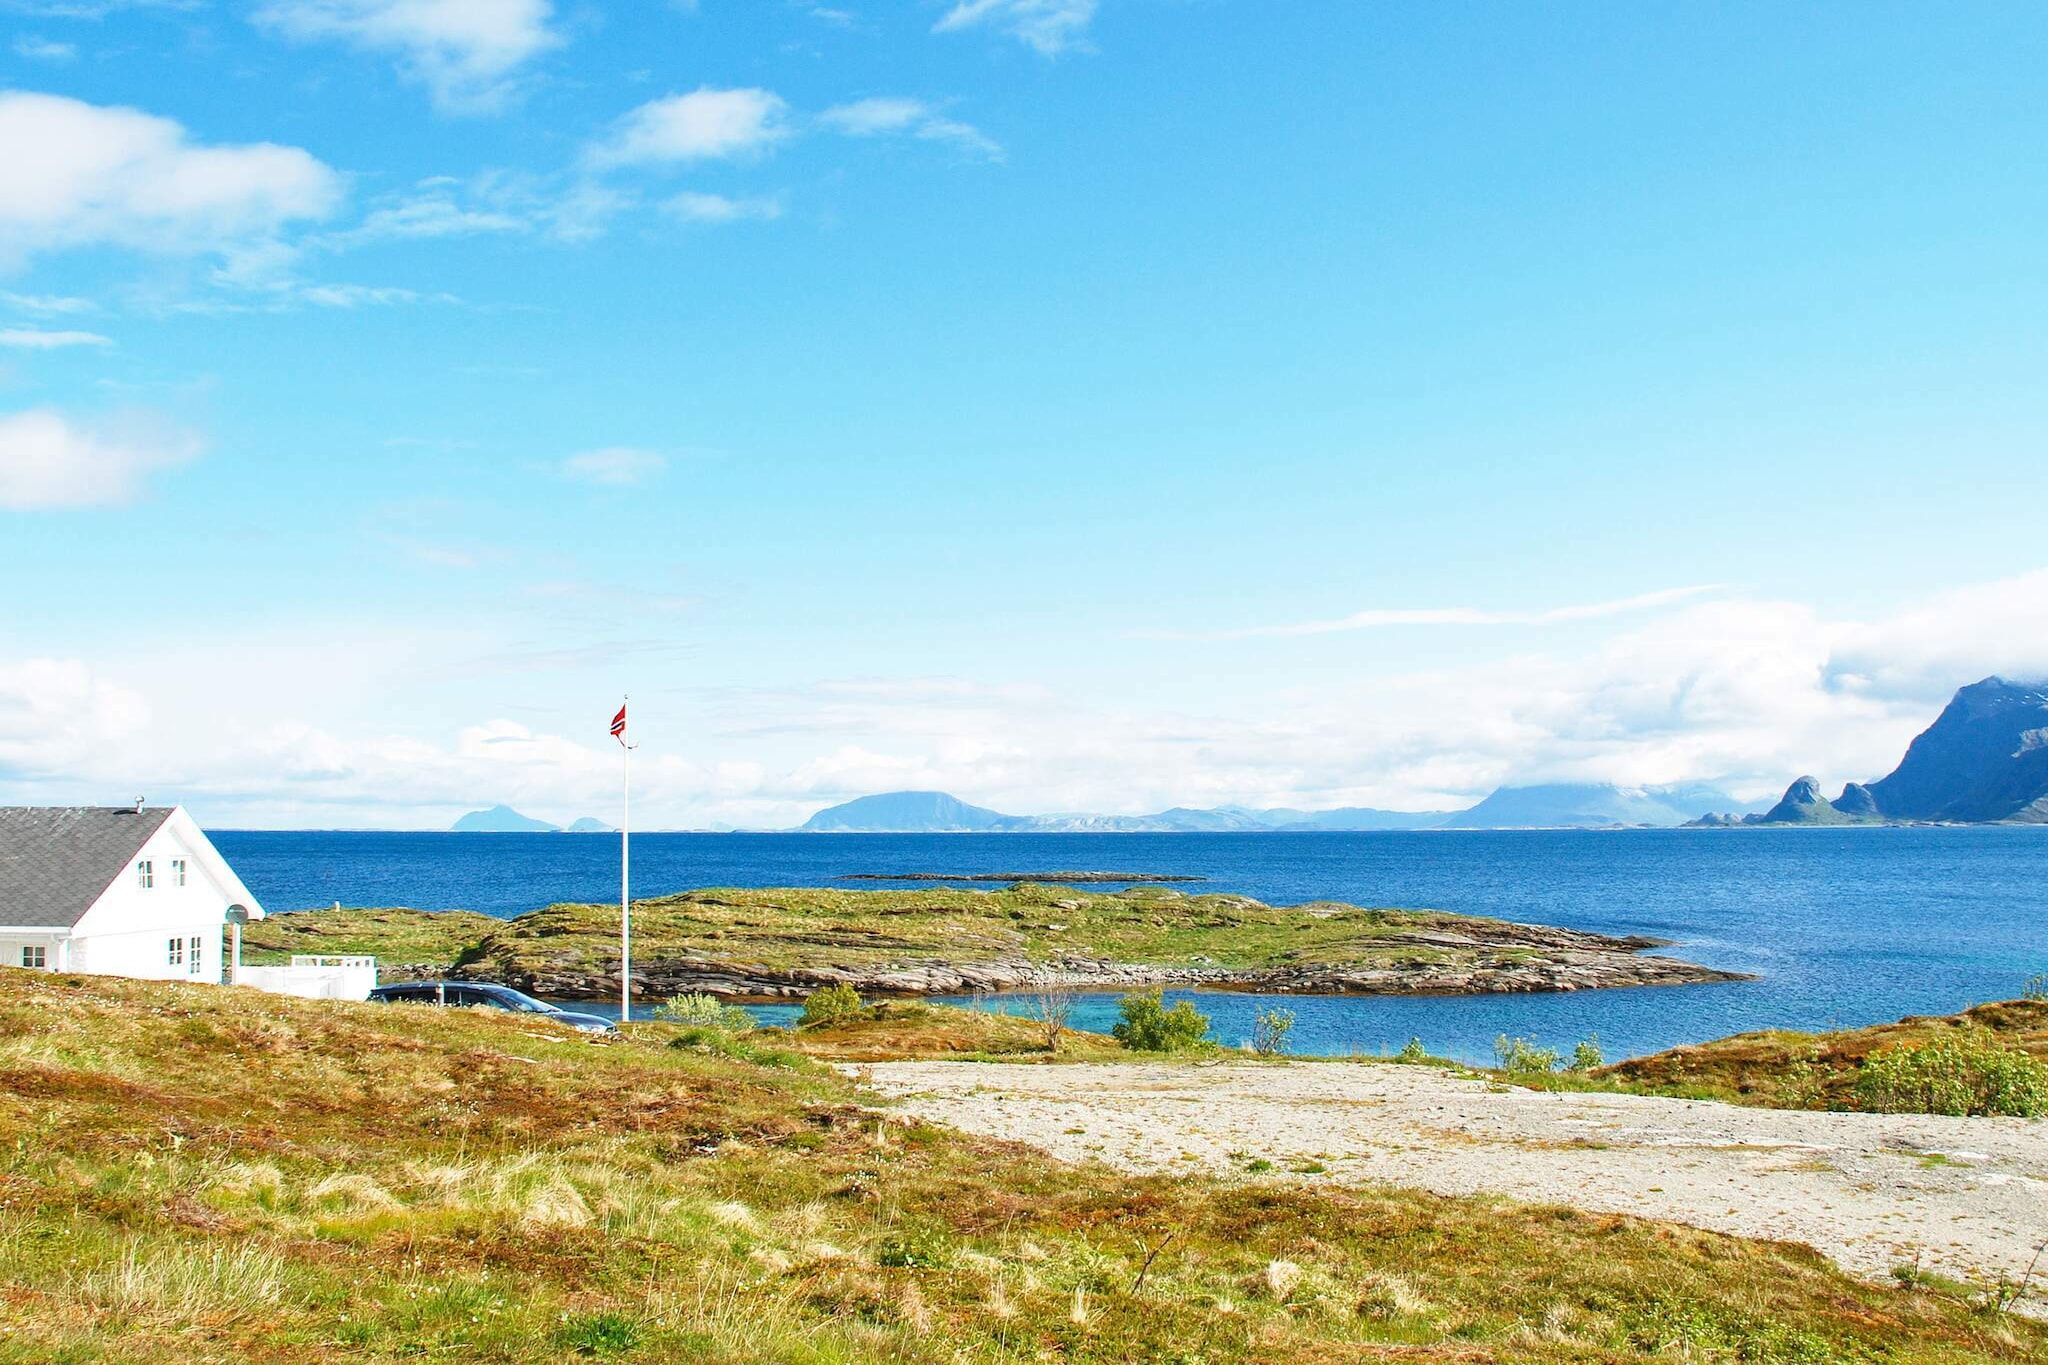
(782, 928)
(1788, 1070)
(901, 1031)
(190, 1173)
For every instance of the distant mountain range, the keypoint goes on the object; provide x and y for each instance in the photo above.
(505, 820)
(1983, 761)
(1555, 806)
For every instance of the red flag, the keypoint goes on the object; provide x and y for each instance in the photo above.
(619, 726)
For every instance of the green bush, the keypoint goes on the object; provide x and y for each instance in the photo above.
(1270, 1028)
(1586, 1056)
(1412, 1051)
(1971, 1072)
(704, 1012)
(1148, 1026)
(1521, 1056)
(829, 1005)
(599, 1334)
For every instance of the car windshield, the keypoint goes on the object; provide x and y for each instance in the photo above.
(520, 1000)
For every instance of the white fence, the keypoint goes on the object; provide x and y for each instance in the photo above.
(316, 977)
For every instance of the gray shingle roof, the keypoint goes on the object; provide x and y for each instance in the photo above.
(56, 860)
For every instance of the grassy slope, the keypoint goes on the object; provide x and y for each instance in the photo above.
(193, 1173)
(395, 936)
(1788, 1070)
(892, 1031)
(788, 927)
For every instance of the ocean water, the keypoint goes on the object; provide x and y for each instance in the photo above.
(1842, 927)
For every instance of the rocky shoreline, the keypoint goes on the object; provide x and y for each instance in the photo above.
(1024, 878)
(1496, 958)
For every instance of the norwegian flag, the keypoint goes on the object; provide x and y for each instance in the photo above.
(619, 726)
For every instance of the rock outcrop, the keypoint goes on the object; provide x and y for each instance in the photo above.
(1489, 957)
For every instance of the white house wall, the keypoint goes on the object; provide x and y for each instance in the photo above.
(128, 930)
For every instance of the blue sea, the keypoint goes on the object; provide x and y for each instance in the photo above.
(1842, 927)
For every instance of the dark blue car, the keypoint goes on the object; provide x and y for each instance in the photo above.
(484, 995)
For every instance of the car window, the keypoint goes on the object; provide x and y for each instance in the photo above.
(469, 997)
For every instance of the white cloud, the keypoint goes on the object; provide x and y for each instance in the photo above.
(50, 460)
(35, 339)
(466, 52)
(362, 295)
(703, 125)
(1750, 691)
(877, 114)
(615, 466)
(896, 115)
(1381, 617)
(48, 305)
(1050, 26)
(719, 208)
(29, 47)
(84, 175)
(436, 215)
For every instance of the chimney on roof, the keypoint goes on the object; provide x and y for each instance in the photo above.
(138, 807)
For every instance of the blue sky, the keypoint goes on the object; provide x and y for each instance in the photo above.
(1071, 405)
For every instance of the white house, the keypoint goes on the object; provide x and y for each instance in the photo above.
(118, 892)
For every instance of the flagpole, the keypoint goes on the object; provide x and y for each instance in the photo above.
(625, 881)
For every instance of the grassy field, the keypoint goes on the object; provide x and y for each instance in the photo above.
(195, 1173)
(781, 928)
(1788, 1070)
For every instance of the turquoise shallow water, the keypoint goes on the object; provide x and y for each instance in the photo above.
(1842, 926)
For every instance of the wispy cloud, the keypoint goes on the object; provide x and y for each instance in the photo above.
(1050, 26)
(704, 125)
(613, 466)
(49, 305)
(1378, 618)
(902, 116)
(468, 53)
(32, 48)
(719, 208)
(34, 339)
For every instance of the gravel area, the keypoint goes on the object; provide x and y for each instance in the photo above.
(1968, 1197)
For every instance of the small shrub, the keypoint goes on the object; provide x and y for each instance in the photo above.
(1521, 1056)
(1970, 1073)
(1054, 1006)
(919, 1248)
(599, 1334)
(1412, 1051)
(1586, 1056)
(1270, 1028)
(829, 1005)
(2036, 987)
(1148, 1026)
(704, 1012)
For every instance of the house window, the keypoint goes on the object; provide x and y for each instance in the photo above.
(177, 872)
(194, 960)
(37, 958)
(177, 952)
(145, 875)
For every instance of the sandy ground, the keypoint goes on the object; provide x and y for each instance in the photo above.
(1968, 1196)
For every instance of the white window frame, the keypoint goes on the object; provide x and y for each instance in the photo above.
(145, 875)
(195, 956)
(177, 951)
(35, 957)
(177, 872)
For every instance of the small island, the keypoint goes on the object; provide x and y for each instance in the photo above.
(780, 944)
(1056, 878)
